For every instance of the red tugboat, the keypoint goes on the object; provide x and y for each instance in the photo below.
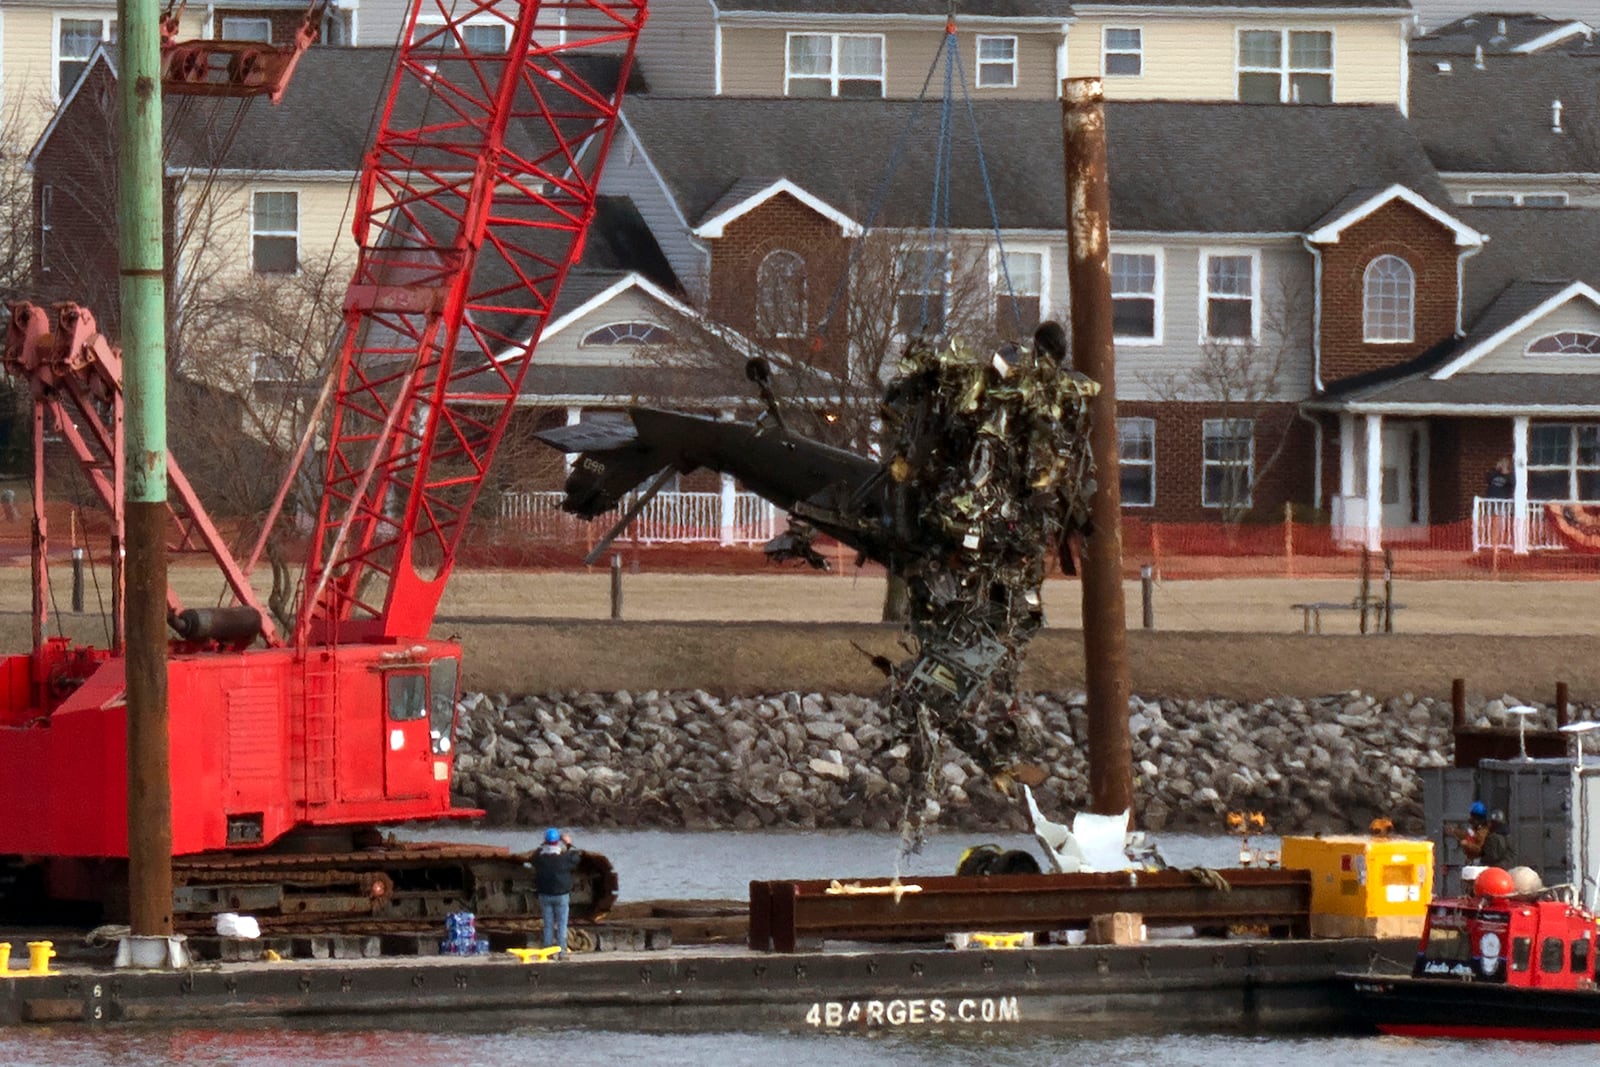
(1493, 964)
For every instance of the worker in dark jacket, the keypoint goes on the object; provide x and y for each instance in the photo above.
(553, 865)
(1496, 851)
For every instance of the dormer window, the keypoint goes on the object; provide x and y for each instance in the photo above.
(1390, 298)
(1566, 343)
(627, 333)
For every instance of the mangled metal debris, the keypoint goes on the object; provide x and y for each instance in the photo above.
(990, 470)
(987, 470)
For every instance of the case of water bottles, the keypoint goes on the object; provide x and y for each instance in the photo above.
(461, 936)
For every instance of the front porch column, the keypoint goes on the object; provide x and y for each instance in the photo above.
(1519, 485)
(730, 500)
(574, 416)
(1374, 486)
(1347, 454)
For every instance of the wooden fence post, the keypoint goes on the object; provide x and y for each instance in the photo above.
(1288, 539)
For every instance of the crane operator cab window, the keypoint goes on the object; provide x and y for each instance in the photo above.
(442, 708)
(408, 697)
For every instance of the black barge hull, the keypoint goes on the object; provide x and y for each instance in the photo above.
(1251, 986)
(1432, 1007)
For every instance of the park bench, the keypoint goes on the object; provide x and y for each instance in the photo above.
(1311, 612)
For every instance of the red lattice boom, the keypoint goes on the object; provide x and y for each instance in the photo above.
(473, 208)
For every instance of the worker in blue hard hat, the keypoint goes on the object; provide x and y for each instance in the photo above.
(1484, 840)
(553, 866)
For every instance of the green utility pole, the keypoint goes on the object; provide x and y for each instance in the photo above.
(144, 387)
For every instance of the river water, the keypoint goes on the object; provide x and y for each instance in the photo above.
(662, 865)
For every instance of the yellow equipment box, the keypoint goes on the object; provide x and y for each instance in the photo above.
(1384, 884)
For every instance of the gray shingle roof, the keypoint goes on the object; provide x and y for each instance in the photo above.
(1498, 119)
(326, 120)
(1528, 245)
(1513, 302)
(1031, 9)
(1190, 167)
(1496, 34)
(1491, 391)
(983, 9)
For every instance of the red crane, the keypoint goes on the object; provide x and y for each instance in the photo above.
(473, 206)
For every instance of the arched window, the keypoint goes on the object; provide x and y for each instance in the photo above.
(1566, 343)
(1391, 290)
(627, 333)
(781, 295)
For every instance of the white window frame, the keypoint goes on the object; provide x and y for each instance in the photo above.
(919, 254)
(262, 372)
(1480, 197)
(997, 280)
(1527, 350)
(255, 232)
(1286, 68)
(1249, 466)
(226, 35)
(1150, 463)
(1106, 50)
(106, 23)
(1367, 335)
(1160, 294)
(833, 78)
(980, 63)
(632, 326)
(1571, 467)
(47, 196)
(435, 22)
(1204, 288)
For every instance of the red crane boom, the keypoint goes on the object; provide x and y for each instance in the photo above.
(473, 207)
(468, 222)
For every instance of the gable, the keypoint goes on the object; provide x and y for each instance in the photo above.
(564, 343)
(1357, 208)
(745, 198)
(1579, 314)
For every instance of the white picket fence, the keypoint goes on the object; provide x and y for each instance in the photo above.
(669, 518)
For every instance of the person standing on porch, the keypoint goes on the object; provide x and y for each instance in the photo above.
(1500, 483)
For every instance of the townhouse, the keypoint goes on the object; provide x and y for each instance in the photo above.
(1273, 51)
(1312, 293)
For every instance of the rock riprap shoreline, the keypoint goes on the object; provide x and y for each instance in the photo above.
(809, 761)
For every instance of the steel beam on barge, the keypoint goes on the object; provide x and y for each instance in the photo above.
(782, 913)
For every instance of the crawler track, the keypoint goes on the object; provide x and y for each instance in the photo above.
(397, 887)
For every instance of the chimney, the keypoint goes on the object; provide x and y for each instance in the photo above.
(1477, 57)
(1555, 117)
(1502, 27)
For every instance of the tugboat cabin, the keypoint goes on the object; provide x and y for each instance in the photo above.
(1489, 937)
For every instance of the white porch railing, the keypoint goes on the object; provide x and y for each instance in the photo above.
(669, 518)
(1494, 524)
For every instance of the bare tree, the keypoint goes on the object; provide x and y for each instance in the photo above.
(255, 349)
(833, 345)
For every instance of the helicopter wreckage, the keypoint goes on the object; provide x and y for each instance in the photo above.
(985, 468)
